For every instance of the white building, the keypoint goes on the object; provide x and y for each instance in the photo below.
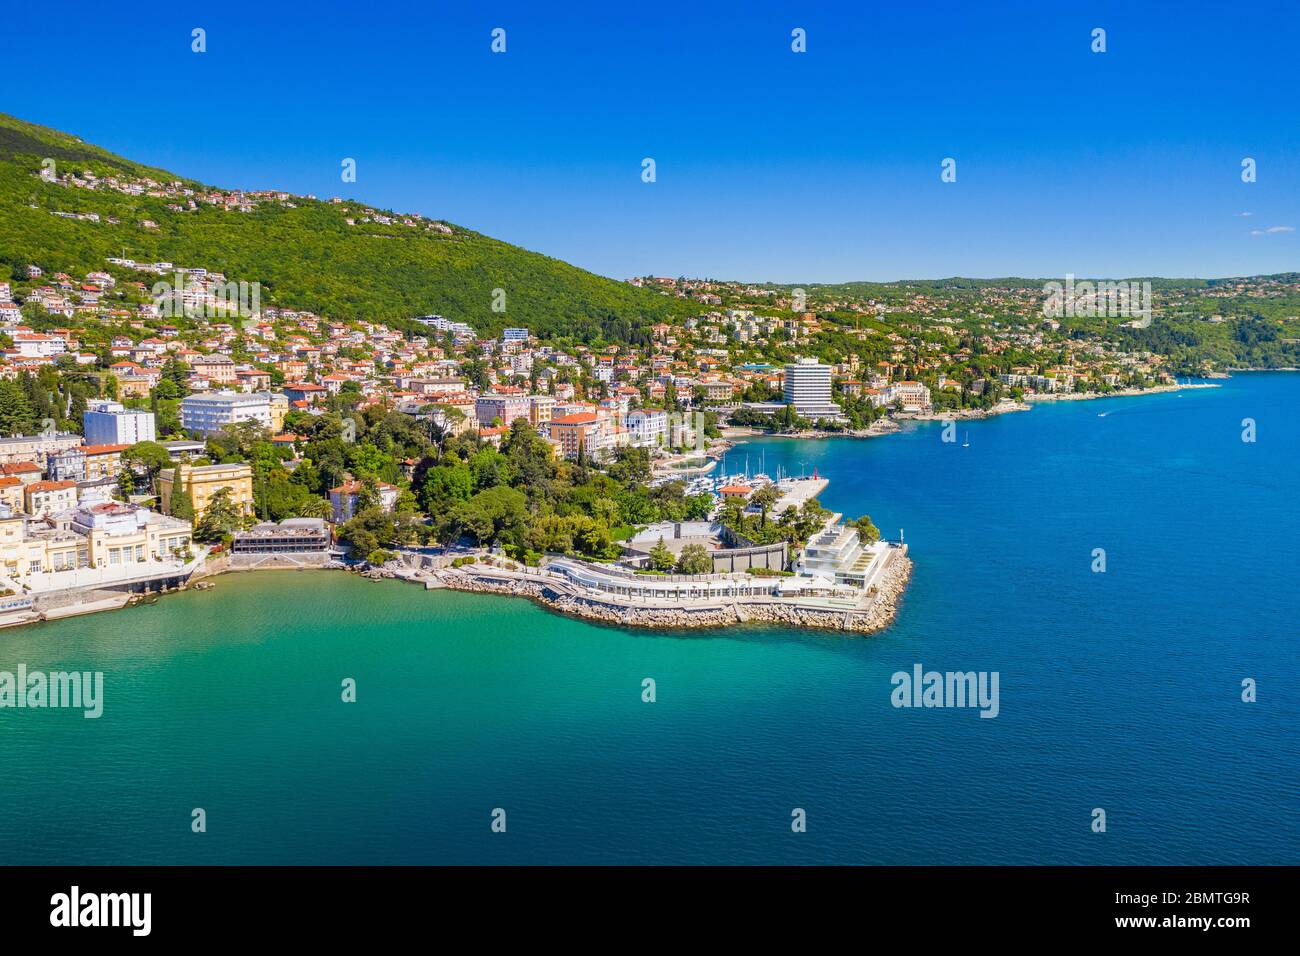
(110, 423)
(912, 396)
(37, 345)
(837, 554)
(343, 499)
(808, 389)
(209, 413)
(649, 426)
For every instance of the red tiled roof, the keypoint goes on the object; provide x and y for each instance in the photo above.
(51, 485)
(352, 487)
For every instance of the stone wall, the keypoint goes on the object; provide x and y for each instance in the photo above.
(772, 556)
(257, 562)
(53, 600)
(724, 613)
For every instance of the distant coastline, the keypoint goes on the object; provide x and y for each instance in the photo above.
(878, 429)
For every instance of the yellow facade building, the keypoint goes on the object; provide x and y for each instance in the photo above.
(119, 537)
(204, 481)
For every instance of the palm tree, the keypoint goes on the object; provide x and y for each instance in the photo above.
(315, 507)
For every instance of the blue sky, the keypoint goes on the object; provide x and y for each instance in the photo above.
(771, 165)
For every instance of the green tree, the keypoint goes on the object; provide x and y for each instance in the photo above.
(221, 517)
(16, 414)
(698, 507)
(868, 533)
(367, 494)
(148, 457)
(182, 500)
(444, 485)
(661, 558)
(314, 506)
(694, 559)
(497, 513)
(765, 498)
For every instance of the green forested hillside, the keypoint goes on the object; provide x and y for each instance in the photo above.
(306, 257)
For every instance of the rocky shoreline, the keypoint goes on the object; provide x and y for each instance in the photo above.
(1122, 393)
(879, 615)
(488, 580)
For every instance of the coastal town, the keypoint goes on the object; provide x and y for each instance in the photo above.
(172, 457)
(162, 424)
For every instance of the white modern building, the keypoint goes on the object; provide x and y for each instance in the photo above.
(458, 329)
(837, 554)
(808, 389)
(207, 414)
(110, 423)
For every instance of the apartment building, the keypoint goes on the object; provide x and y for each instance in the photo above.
(50, 497)
(648, 426)
(541, 409)
(580, 431)
(207, 414)
(215, 368)
(912, 396)
(101, 535)
(343, 499)
(111, 423)
(507, 408)
(35, 448)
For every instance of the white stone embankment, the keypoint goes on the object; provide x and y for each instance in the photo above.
(876, 612)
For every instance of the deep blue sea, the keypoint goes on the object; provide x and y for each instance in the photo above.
(1119, 690)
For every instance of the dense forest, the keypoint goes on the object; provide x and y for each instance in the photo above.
(304, 253)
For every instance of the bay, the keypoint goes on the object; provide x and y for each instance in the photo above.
(1118, 690)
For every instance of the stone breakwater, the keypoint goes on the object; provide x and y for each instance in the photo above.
(876, 614)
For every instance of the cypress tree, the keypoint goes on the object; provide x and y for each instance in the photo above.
(182, 500)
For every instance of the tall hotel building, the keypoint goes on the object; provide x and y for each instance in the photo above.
(808, 389)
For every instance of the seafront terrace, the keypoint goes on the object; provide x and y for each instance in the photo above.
(620, 586)
(110, 577)
(666, 587)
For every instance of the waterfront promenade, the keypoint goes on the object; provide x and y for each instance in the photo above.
(49, 595)
(613, 595)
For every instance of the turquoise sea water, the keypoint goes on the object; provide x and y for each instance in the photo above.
(1119, 690)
